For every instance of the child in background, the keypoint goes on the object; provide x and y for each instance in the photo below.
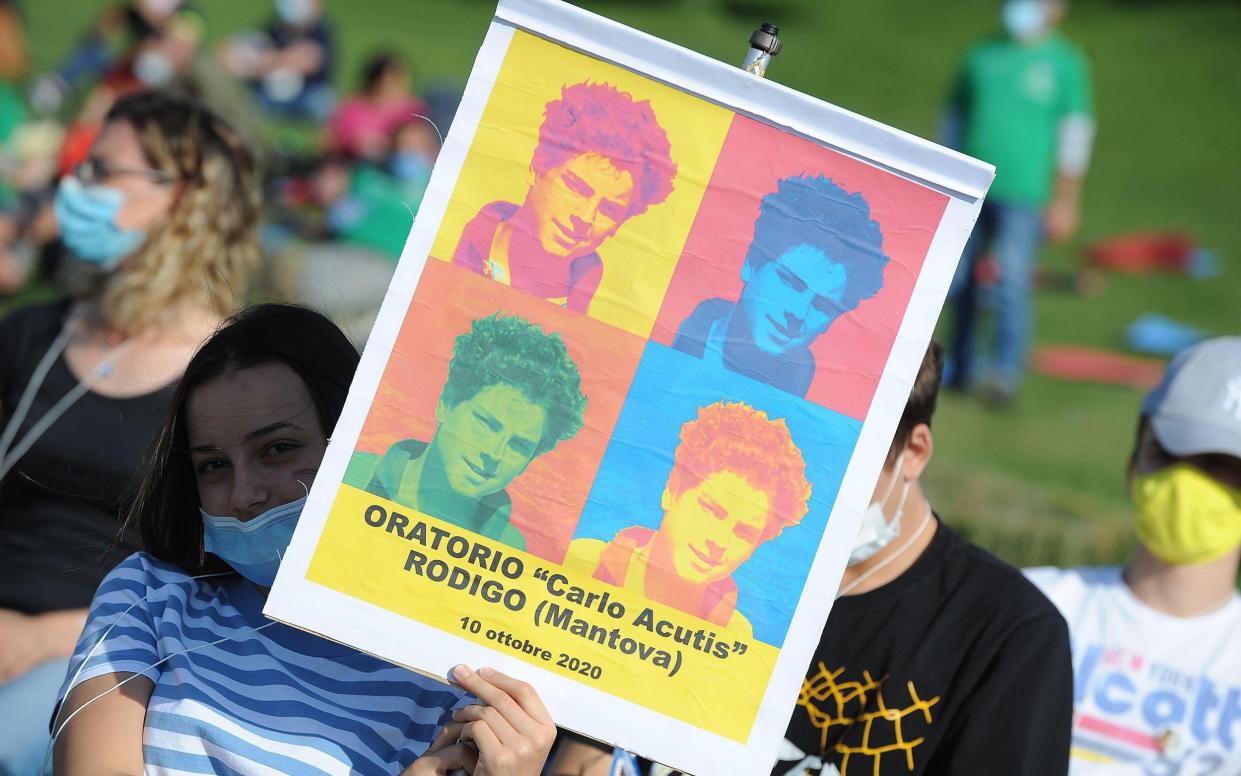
(374, 207)
(364, 125)
(144, 43)
(288, 63)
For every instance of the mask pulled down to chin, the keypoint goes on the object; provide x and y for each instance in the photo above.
(876, 530)
(254, 548)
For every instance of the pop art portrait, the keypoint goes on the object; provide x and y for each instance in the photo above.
(624, 403)
(799, 267)
(494, 411)
(815, 255)
(713, 494)
(580, 191)
(602, 159)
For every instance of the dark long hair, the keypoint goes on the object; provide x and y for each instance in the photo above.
(165, 509)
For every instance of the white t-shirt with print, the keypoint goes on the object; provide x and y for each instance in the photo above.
(1154, 695)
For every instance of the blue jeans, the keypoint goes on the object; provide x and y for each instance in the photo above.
(26, 712)
(1013, 233)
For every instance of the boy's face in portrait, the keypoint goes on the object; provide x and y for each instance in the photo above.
(576, 205)
(714, 527)
(792, 299)
(485, 441)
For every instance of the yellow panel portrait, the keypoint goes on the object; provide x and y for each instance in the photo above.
(581, 183)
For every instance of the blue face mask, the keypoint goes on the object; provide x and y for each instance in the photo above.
(1024, 20)
(87, 219)
(411, 167)
(253, 547)
(295, 12)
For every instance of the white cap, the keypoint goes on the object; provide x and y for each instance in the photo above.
(1196, 408)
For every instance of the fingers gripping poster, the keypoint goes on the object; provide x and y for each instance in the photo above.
(631, 388)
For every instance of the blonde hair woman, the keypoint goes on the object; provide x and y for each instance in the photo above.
(163, 215)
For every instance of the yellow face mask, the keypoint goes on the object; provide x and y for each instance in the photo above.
(1185, 517)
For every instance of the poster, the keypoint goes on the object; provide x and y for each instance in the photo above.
(631, 387)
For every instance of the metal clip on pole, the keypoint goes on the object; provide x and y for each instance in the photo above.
(765, 43)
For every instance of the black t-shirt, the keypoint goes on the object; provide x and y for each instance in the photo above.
(59, 505)
(960, 666)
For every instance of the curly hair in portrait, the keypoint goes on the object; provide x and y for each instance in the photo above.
(203, 254)
(735, 437)
(815, 211)
(512, 351)
(603, 119)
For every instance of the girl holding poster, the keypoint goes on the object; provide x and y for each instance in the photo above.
(178, 669)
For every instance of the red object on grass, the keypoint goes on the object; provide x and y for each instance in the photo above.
(1143, 252)
(1092, 365)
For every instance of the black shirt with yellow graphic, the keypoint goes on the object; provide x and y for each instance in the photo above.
(959, 666)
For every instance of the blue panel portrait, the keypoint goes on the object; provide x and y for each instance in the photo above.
(713, 494)
(816, 255)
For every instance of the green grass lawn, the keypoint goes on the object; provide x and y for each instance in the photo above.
(1042, 482)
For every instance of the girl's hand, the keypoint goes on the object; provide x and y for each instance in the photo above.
(446, 755)
(511, 729)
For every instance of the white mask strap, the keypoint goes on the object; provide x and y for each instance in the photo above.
(896, 474)
(56, 733)
(900, 505)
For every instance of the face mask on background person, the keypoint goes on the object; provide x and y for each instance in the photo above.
(86, 215)
(411, 166)
(876, 531)
(1185, 517)
(160, 8)
(253, 547)
(1024, 20)
(295, 12)
(154, 69)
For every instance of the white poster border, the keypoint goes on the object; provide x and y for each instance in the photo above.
(665, 739)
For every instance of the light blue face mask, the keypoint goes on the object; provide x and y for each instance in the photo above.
(253, 547)
(295, 12)
(411, 167)
(87, 219)
(1024, 20)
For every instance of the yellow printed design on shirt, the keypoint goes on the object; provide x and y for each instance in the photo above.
(893, 720)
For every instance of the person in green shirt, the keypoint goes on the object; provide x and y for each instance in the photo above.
(1021, 101)
(377, 207)
(512, 394)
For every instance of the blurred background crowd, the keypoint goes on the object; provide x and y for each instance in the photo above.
(346, 105)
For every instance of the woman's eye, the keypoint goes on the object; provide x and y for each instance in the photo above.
(277, 448)
(208, 467)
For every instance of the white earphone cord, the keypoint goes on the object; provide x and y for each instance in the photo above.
(72, 683)
(36, 380)
(10, 457)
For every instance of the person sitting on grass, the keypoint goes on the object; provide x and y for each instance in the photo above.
(1157, 643)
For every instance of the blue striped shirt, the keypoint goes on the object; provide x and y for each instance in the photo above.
(275, 701)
